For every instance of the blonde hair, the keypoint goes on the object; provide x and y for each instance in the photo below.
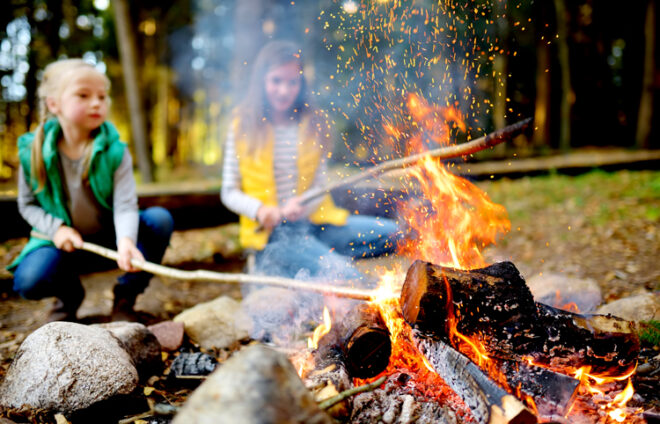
(253, 112)
(55, 78)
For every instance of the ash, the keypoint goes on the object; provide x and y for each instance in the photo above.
(396, 404)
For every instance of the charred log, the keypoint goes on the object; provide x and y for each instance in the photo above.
(603, 342)
(552, 392)
(493, 306)
(488, 402)
(363, 340)
(493, 302)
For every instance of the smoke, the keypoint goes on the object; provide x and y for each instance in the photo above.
(281, 315)
(364, 60)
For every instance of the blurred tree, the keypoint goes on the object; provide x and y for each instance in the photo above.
(567, 95)
(645, 115)
(127, 49)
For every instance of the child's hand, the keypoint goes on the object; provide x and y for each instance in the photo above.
(67, 239)
(269, 216)
(293, 209)
(127, 251)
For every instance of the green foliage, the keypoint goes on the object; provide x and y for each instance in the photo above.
(649, 332)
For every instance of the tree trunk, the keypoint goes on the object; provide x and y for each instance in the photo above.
(567, 94)
(500, 68)
(126, 44)
(645, 116)
(542, 103)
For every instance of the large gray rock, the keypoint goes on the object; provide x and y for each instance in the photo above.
(140, 344)
(215, 324)
(641, 307)
(565, 292)
(255, 386)
(65, 367)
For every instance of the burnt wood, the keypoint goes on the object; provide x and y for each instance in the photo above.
(488, 402)
(362, 339)
(552, 392)
(494, 306)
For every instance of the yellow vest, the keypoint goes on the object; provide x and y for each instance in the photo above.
(258, 181)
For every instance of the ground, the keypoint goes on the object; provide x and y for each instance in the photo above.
(604, 226)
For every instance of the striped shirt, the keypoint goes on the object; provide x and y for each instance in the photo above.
(285, 171)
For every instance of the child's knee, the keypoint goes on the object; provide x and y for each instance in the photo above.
(159, 220)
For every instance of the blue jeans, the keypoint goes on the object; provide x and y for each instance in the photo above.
(302, 249)
(49, 271)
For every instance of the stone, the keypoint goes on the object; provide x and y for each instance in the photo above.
(141, 345)
(64, 367)
(565, 292)
(169, 334)
(215, 324)
(641, 307)
(256, 385)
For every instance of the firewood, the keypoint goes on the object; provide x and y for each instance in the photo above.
(488, 402)
(493, 306)
(328, 379)
(363, 340)
(552, 392)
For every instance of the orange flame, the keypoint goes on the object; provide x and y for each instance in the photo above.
(596, 386)
(321, 330)
(455, 221)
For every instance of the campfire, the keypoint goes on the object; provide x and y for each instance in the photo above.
(465, 336)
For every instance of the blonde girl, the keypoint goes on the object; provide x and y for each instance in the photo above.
(75, 182)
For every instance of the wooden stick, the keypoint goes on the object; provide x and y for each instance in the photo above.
(225, 277)
(350, 392)
(473, 146)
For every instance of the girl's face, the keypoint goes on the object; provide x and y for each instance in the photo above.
(282, 84)
(83, 103)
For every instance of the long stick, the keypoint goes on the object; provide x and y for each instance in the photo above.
(225, 277)
(473, 146)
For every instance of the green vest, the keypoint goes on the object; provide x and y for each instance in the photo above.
(107, 154)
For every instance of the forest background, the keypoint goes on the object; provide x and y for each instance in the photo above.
(585, 70)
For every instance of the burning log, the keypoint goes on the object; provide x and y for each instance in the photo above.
(553, 393)
(488, 402)
(363, 340)
(494, 307)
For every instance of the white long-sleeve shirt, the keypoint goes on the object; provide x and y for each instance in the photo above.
(285, 171)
